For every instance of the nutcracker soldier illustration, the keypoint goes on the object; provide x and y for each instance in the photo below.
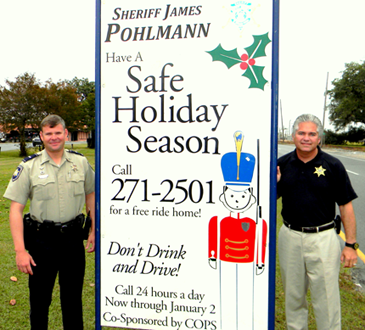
(237, 244)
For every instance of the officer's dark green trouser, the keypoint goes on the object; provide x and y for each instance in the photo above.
(63, 254)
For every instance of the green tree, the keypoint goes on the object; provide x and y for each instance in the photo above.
(62, 99)
(86, 92)
(334, 138)
(25, 102)
(348, 96)
(355, 134)
(21, 105)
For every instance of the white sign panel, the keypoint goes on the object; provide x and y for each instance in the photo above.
(185, 126)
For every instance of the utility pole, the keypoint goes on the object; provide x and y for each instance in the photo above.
(282, 122)
(323, 140)
(289, 129)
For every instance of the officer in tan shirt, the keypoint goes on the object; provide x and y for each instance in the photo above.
(57, 182)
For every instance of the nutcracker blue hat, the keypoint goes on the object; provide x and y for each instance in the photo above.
(238, 167)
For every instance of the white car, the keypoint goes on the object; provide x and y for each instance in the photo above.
(37, 141)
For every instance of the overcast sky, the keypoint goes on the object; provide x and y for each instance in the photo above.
(50, 38)
(56, 39)
(316, 37)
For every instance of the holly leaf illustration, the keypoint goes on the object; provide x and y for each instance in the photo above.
(228, 57)
(257, 49)
(254, 73)
(247, 61)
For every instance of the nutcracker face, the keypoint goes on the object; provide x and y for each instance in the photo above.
(237, 201)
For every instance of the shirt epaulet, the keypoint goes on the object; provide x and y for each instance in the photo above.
(75, 152)
(26, 159)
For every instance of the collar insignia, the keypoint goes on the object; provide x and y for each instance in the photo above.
(41, 170)
(319, 171)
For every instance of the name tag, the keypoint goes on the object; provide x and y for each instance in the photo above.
(43, 176)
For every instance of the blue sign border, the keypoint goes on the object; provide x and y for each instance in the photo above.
(273, 163)
(97, 162)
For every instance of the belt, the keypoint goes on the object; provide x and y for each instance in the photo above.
(310, 229)
(62, 227)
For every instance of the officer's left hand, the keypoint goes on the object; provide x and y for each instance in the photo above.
(90, 245)
(349, 257)
(278, 174)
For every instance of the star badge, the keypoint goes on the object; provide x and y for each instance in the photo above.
(74, 167)
(319, 171)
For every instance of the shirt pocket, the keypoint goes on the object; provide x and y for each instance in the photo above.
(77, 183)
(44, 188)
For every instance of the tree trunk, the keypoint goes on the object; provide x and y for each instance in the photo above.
(23, 150)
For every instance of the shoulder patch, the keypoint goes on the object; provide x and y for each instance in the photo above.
(17, 173)
(26, 159)
(75, 152)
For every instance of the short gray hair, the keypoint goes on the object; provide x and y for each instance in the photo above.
(52, 121)
(305, 118)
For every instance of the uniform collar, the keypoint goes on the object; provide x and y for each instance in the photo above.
(318, 156)
(46, 158)
(67, 155)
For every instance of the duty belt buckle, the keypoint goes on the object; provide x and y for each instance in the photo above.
(310, 229)
(47, 225)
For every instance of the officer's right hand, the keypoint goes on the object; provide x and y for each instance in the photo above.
(24, 262)
(278, 174)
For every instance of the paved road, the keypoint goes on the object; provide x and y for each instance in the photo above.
(10, 146)
(15, 145)
(354, 163)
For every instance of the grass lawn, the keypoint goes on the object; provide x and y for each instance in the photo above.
(15, 317)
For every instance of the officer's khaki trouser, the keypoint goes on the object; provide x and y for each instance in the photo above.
(310, 261)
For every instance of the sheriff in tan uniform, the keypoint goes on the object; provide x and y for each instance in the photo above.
(58, 183)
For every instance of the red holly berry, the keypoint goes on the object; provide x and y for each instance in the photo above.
(251, 61)
(244, 65)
